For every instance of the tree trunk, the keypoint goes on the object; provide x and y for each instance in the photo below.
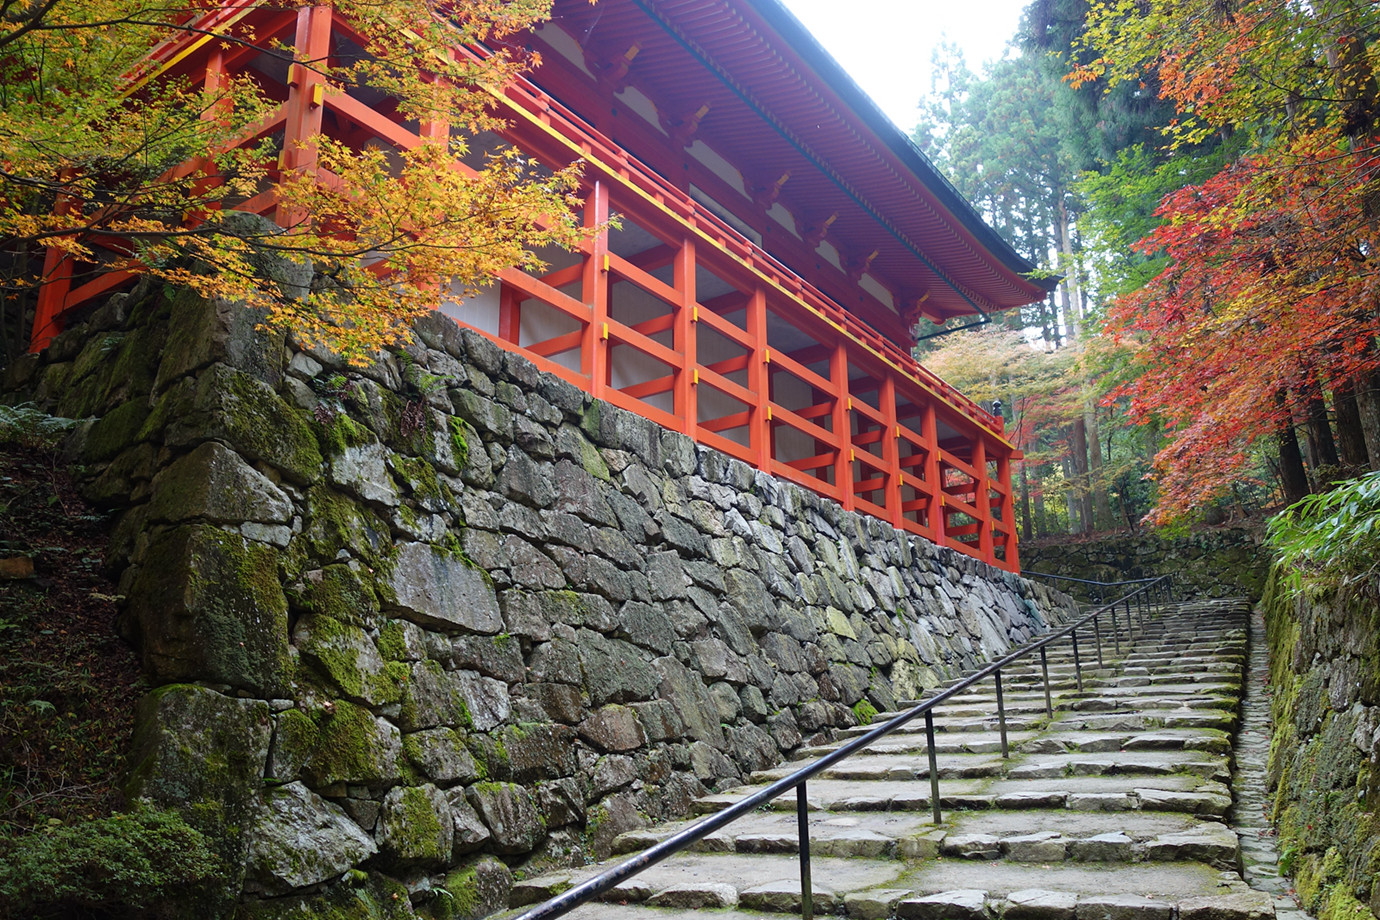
(1351, 440)
(1027, 525)
(1101, 505)
(1041, 517)
(1368, 402)
(1078, 459)
(1291, 472)
(1320, 442)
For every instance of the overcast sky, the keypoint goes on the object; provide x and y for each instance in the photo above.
(885, 44)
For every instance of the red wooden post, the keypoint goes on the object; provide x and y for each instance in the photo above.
(1008, 512)
(843, 427)
(934, 481)
(56, 281)
(891, 447)
(509, 315)
(759, 382)
(594, 343)
(683, 341)
(982, 498)
(306, 98)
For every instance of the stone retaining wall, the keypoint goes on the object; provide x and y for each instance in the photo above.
(414, 625)
(1206, 564)
(1324, 769)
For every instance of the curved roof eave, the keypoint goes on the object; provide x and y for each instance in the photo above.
(804, 43)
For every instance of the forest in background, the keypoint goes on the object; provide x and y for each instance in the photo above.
(1203, 175)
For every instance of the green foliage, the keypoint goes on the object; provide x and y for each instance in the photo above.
(865, 712)
(1330, 539)
(115, 864)
(28, 427)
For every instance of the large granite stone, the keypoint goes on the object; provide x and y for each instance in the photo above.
(301, 839)
(441, 591)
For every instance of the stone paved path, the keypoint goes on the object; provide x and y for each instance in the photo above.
(1114, 809)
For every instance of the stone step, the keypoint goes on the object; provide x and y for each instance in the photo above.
(1109, 810)
(1164, 792)
(1073, 836)
(849, 795)
(938, 890)
(1168, 881)
(1122, 763)
(883, 766)
(1064, 740)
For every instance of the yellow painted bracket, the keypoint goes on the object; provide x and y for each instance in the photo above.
(605, 334)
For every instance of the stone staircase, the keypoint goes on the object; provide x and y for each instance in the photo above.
(1114, 809)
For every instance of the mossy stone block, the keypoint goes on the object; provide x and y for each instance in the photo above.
(339, 592)
(415, 826)
(202, 331)
(357, 897)
(335, 523)
(193, 744)
(347, 656)
(208, 605)
(439, 590)
(115, 431)
(475, 889)
(354, 746)
(216, 484)
(251, 418)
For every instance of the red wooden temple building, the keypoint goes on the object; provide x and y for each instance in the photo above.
(778, 240)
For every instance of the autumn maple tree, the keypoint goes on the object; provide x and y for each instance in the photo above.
(96, 142)
(1267, 303)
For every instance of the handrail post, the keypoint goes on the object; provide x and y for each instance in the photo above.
(1044, 667)
(1142, 616)
(1116, 632)
(807, 895)
(1097, 637)
(934, 766)
(1001, 718)
(1077, 665)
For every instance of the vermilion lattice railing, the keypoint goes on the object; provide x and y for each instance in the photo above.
(674, 314)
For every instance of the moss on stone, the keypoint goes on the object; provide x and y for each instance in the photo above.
(392, 641)
(331, 646)
(213, 609)
(117, 430)
(461, 897)
(421, 481)
(335, 523)
(296, 737)
(459, 442)
(339, 432)
(347, 747)
(420, 826)
(359, 896)
(341, 593)
(865, 712)
(255, 421)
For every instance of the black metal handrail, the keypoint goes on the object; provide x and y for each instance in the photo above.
(592, 888)
(1141, 602)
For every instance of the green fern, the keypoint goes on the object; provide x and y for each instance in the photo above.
(29, 427)
(1331, 539)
